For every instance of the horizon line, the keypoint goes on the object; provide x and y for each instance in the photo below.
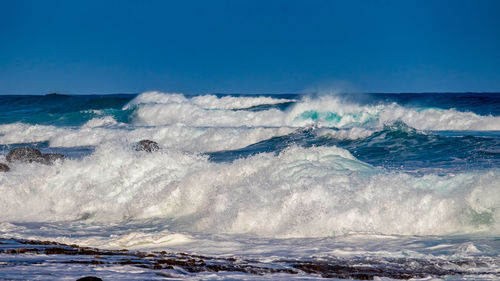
(249, 93)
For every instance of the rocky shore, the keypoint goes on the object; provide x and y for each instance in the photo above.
(168, 264)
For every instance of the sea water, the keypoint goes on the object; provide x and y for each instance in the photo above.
(364, 177)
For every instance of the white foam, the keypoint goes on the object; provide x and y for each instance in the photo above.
(130, 240)
(439, 119)
(101, 130)
(156, 98)
(194, 115)
(302, 192)
(204, 101)
(23, 133)
(230, 102)
(332, 111)
(329, 111)
(100, 122)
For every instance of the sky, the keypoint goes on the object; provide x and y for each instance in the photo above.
(239, 46)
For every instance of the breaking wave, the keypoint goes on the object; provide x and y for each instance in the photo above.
(300, 192)
(154, 109)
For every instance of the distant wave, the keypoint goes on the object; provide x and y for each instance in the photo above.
(166, 109)
(205, 101)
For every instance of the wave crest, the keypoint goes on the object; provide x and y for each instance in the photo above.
(326, 111)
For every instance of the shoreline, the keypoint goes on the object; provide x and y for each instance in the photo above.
(179, 265)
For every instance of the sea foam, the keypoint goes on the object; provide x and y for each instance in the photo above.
(330, 111)
(101, 130)
(301, 192)
(205, 101)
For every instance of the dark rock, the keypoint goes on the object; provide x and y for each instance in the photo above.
(4, 168)
(147, 145)
(29, 155)
(89, 278)
(51, 158)
(25, 154)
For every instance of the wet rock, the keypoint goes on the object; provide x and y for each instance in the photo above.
(29, 155)
(51, 158)
(4, 168)
(147, 145)
(25, 154)
(89, 278)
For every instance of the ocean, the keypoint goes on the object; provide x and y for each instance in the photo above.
(253, 187)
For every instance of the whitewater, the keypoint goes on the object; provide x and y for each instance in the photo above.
(375, 181)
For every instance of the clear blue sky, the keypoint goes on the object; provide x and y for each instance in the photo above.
(252, 46)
